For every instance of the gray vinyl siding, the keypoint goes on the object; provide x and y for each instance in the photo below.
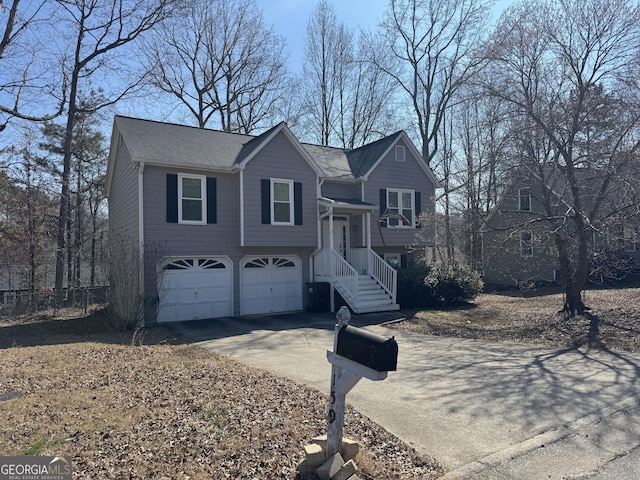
(505, 265)
(503, 261)
(175, 239)
(406, 175)
(123, 200)
(279, 159)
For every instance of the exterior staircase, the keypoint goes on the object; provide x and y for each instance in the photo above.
(364, 292)
(371, 297)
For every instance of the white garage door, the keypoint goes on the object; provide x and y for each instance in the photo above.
(270, 284)
(192, 288)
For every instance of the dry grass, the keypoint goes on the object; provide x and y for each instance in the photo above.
(165, 410)
(519, 317)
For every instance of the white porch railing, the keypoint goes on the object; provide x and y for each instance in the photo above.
(329, 263)
(367, 261)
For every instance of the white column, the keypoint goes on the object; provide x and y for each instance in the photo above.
(367, 226)
(331, 228)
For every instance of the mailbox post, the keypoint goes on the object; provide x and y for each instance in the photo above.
(356, 354)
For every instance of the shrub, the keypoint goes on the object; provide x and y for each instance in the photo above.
(609, 266)
(436, 285)
(412, 291)
(453, 283)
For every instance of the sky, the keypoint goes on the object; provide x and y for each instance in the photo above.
(290, 17)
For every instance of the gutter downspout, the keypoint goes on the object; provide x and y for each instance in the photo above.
(312, 273)
(141, 237)
(242, 208)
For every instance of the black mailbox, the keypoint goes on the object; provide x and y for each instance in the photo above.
(374, 351)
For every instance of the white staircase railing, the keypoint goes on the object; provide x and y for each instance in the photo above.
(331, 266)
(368, 261)
(329, 263)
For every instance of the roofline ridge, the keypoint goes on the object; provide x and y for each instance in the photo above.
(173, 124)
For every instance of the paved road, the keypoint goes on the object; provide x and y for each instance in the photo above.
(485, 410)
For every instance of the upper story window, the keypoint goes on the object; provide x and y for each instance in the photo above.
(401, 202)
(192, 201)
(400, 153)
(524, 199)
(526, 244)
(281, 202)
(630, 238)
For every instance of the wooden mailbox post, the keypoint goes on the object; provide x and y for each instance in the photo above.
(356, 354)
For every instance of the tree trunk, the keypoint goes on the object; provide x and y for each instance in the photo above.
(93, 250)
(63, 218)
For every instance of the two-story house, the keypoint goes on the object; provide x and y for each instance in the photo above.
(518, 237)
(228, 224)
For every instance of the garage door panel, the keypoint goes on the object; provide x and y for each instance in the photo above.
(270, 284)
(195, 288)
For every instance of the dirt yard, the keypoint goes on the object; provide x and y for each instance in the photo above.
(144, 406)
(523, 317)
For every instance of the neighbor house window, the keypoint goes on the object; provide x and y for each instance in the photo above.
(629, 238)
(400, 153)
(281, 202)
(525, 200)
(526, 246)
(191, 204)
(401, 202)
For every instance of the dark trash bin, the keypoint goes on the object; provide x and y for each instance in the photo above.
(319, 297)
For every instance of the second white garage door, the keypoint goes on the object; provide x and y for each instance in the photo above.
(270, 284)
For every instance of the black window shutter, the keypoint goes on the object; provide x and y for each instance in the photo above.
(266, 200)
(172, 198)
(297, 203)
(417, 198)
(403, 260)
(383, 205)
(212, 200)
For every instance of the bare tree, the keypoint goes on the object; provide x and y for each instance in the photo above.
(569, 71)
(429, 54)
(346, 98)
(98, 30)
(29, 223)
(327, 49)
(26, 76)
(480, 129)
(222, 63)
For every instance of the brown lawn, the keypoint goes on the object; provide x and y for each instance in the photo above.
(145, 406)
(522, 317)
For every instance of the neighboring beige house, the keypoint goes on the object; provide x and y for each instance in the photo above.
(517, 237)
(228, 224)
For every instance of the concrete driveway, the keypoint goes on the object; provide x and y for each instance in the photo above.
(485, 410)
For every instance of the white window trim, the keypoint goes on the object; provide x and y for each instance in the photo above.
(400, 153)
(203, 199)
(413, 207)
(522, 245)
(291, 202)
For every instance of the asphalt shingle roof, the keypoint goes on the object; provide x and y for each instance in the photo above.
(170, 144)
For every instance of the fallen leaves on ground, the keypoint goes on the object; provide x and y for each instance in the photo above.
(174, 411)
(517, 317)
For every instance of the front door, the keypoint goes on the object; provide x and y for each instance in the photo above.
(340, 235)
